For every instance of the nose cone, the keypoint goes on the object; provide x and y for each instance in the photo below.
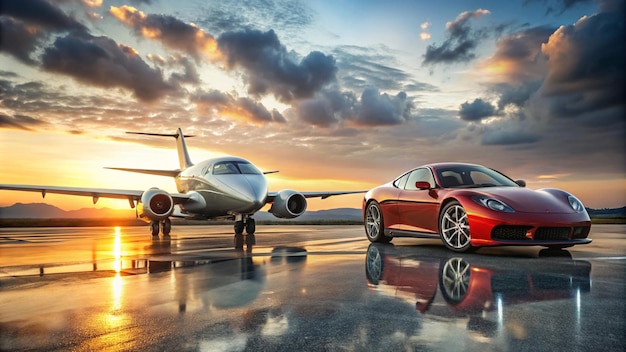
(256, 192)
(249, 192)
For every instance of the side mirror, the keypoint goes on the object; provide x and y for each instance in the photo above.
(422, 185)
(521, 183)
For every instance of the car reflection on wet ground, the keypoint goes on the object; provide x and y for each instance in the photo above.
(304, 288)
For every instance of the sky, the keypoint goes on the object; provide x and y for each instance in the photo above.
(337, 95)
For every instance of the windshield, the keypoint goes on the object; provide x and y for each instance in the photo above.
(465, 176)
(235, 167)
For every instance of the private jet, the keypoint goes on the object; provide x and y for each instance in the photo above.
(220, 188)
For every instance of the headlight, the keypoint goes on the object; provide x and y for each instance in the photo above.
(575, 204)
(493, 204)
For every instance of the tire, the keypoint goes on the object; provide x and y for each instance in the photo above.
(454, 228)
(167, 227)
(239, 226)
(250, 226)
(154, 228)
(375, 224)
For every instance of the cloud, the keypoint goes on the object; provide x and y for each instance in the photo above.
(41, 13)
(20, 122)
(360, 67)
(559, 6)
(378, 109)
(290, 16)
(270, 68)
(476, 110)
(102, 62)
(518, 58)
(508, 135)
(219, 104)
(23, 39)
(460, 42)
(373, 108)
(586, 67)
(172, 32)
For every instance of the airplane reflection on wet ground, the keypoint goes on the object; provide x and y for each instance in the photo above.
(306, 288)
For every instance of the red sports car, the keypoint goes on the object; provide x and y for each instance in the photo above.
(470, 206)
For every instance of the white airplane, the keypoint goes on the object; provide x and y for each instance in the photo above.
(227, 187)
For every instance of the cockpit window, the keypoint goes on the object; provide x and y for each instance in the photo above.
(235, 167)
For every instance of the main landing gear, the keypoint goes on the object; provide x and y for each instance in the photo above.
(164, 225)
(248, 224)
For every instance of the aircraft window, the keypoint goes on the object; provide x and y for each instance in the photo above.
(423, 175)
(247, 168)
(235, 167)
(225, 168)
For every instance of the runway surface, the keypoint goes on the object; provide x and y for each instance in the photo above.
(304, 288)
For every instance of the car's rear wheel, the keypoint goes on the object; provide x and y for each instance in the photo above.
(454, 228)
(375, 224)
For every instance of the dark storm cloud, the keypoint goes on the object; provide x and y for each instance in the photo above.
(516, 95)
(217, 103)
(18, 39)
(460, 42)
(102, 62)
(476, 110)
(327, 108)
(23, 25)
(378, 109)
(586, 67)
(270, 68)
(20, 122)
(41, 13)
(373, 108)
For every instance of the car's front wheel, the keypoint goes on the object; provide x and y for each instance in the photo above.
(454, 228)
(374, 223)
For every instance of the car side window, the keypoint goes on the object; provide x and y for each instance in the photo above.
(419, 175)
(400, 182)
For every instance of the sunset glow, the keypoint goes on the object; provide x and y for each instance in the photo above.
(332, 100)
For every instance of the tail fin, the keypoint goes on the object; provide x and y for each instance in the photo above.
(183, 155)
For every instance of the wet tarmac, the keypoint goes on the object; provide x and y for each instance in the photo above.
(304, 288)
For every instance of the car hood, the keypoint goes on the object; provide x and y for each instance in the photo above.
(530, 201)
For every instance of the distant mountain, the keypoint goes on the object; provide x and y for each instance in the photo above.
(607, 213)
(47, 211)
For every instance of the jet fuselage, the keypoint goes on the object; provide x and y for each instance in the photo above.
(228, 185)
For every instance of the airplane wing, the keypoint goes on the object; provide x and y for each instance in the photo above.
(323, 195)
(95, 193)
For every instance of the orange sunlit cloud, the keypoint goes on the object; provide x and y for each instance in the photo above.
(552, 176)
(184, 37)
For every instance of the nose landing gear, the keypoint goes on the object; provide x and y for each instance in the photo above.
(248, 224)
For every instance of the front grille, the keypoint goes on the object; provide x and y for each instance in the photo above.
(581, 232)
(552, 233)
(509, 232)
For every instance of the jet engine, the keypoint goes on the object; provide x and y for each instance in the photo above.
(288, 204)
(155, 205)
